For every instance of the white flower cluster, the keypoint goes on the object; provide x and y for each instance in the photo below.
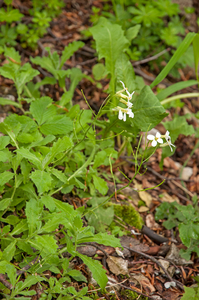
(124, 111)
(158, 139)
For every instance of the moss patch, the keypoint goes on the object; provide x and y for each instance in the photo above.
(132, 295)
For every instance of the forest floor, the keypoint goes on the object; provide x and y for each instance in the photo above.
(153, 261)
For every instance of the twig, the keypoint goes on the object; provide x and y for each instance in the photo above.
(141, 73)
(153, 236)
(158, 263)
(136, 63)
(5, 282)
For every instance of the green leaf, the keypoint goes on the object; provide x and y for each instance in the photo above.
(102, 238)
(22, 226)
(12, 53)
(4, 141)
(100, 184)
(5, 177)
(42, 180)
(28, 282)
(189, 294)
(46, 80)
(30, 156)
(33, 210)
(110, 43)
(45, 243)
(99, 71)
(5, 203)
(5, 155)
(179, 52)
(174, 88)
(148, 110)
(51, 225)
(11, 272)
(99, 274)
(41, 111)
(46, 63)
(196, 53)
(99, 159)
(124, 72)
(9, 251)
(132, 32)
(4, 101)
(48, 202)
(66, 208)
(69, 50)
(10, 16)
(57, 125)
(24, 75)
(77, 275)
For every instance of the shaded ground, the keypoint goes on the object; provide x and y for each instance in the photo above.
(146, 254)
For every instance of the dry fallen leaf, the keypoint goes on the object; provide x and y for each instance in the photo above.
(117, 265)
(143, 281)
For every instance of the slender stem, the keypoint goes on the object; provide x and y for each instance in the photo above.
(181, 96)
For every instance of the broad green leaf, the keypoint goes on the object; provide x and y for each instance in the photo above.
(66, 208)
(4, 101)
(102, 238)
(30, 156)
(28, 282)
(57, 125)
(24, 75)
(59, 146)
(189, 294)
(51, 225)
(69, 50)
(48, 202)
(10, 16)
(124, 72)
(187, 233)
(110, 43)
(40, 109)
(196, 53)
(11, 273)
(5, 177)
(179, 52)
(99, 159)
(22, 226)
(5, 203)
(42, 180)
(148, 110)
(48, 139)
(100, 184)
(12, 53)
(77, 275)
(5, 155)
(46, 80)
(7, 71)
(45, 243)
(33, 210)
(132, 32)
(99, 71)
(46, 63)
(174, 88)
(4, 141)
(23, 245)
(99, 274)
(9, 251)
(59, 174)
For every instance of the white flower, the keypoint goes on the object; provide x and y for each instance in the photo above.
(155, 139)
(126, 90)
(122, 116)
(130, 113)
(168, 139)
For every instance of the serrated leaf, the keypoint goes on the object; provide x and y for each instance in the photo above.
(30, 156)
(45, 243)
(57, 125)
(42, 180)
(148, 110)
(49, 203)
(33, 213)
(69, 50)
(5, 177)
(28, 282)
(24, 75)
(66, 208)
(51, 225)
(59, 174)
(4, 141)
(9, 251)
(46, 63)
(39, 109)
(99, 274)
(100, 184)
(12, 53)
(11, 273)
